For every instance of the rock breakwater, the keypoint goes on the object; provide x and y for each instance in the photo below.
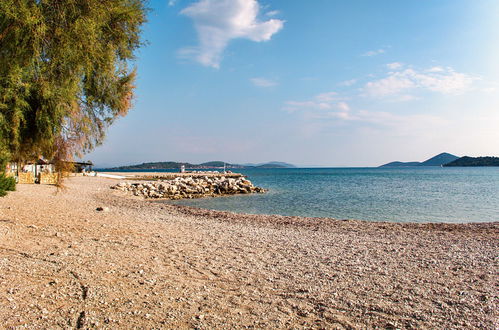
(190, 187)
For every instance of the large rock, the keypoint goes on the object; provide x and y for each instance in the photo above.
(188, 187)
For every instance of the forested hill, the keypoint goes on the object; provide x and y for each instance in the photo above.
(440, 159)
(474, 161)
(207, 165)
(437, 160)
(175, 165)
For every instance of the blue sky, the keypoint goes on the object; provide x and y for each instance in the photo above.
(323, 82)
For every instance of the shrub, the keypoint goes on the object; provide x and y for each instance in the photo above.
(6, 184)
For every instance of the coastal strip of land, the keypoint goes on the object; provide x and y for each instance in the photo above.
(140, 263)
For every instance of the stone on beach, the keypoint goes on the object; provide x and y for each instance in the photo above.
(189, 187)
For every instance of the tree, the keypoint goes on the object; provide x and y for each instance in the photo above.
(65, 73)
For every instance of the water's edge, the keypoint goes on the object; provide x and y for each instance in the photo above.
(430, 194)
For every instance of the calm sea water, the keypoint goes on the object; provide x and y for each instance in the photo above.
(431, 194)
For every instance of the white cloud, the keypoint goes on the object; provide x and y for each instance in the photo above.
(341, 114)
(172, 3)
(403, 82)
(348, 83)
(374, 52)
(394, 65)
(394, 120)
(489, 90)
(326, 97)
(308, 105)
(323, 102)
(343, 106)
(263, 82)
(393, 84)
(331, 108)
(436, 69)
(272, 13)
(217, 22)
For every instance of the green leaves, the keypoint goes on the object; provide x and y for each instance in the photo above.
(64, 73)
(6, 184)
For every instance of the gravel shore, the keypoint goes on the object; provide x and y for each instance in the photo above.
(143, 264)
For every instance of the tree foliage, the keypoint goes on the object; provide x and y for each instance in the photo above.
(6, 184)
(474, 161)
(65, 73)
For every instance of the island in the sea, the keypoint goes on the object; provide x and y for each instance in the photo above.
(474, 161)
(437, 160)
(446, 159)
(207, 165)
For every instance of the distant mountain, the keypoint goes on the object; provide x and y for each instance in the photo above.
(153, 166)
(269, 165)
(437, 160)
(218, 164)
(440, 159)
(401, 164)
(206, 165)
(214, 164)
(176, 165)
(275, 165)
(474, 161)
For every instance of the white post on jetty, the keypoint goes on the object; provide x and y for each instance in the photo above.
(182, 168)
(224, 169)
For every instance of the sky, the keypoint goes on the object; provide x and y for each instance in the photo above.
(312, 83)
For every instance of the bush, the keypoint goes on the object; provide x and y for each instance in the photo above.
(6, 184)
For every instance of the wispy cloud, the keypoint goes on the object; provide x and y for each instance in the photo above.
(263, 82)
(383, 118)
(272, 13)
(320, 114)
(403, 83)
(348, 83)
(365, 106)
(331, 108)
(324, 105)
(394, 65)
(293, 106)
(327, 97)
(217, 22)
(374, 52)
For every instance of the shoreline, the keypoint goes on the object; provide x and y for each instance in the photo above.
(149, 264)
(200, 211)
(304, 221)
(369, 195)
(288, 219)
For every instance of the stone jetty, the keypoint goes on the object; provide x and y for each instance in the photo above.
(190, 187)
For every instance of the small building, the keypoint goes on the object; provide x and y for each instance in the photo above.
(82, 167)
(42, 171)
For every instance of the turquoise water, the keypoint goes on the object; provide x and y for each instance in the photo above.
(431, 194)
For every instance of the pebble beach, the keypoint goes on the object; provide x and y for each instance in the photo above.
(139, 263)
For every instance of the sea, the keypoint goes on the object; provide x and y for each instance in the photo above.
(406, 194)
